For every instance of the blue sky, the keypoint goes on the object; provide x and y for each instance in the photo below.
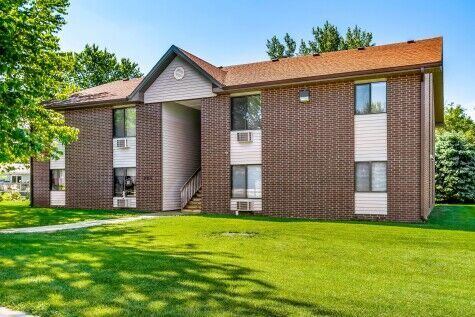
(231, 32)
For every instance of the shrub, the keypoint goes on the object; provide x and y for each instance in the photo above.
(11, 196)
(455, 168)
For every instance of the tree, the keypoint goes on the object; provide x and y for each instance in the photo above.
(455, 168)
(456, 120)
(93, 67)
(290, 45)
(31, 72)
(357, 38)
(325, 39)
(275, 49)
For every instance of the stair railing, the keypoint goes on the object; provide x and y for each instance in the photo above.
(192, 185)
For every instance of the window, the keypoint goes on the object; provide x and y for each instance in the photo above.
(370, 176)
(246, 113)
(16, 179)
(124, 122)
(57, 180)
(246, 181)
(370, 98)
(124, 182)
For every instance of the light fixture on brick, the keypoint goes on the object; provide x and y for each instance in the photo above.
(304, 95)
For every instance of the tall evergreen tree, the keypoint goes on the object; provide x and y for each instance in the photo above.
(275, 49)
(290, 45)
(455, 168)
(325, 39)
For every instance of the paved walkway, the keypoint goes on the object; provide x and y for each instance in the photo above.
(87, 224)
(5, 312)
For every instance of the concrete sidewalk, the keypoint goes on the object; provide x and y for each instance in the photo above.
(88, 223)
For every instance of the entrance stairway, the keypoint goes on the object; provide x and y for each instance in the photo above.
(191, 193)
(194, 205)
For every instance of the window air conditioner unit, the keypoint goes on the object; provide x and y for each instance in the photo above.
(122, 203)
(244, 206)
(121, 143)
(244, 137)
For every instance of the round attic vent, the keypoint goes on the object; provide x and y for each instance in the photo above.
(179, 73)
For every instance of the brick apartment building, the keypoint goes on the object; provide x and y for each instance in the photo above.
(339, 135)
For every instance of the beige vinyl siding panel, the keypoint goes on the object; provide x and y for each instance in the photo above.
(59, 163)
(256, 204)
(181, 138)
(166, 88)
(371, 203)
(131, 202)
(246, 153)
(57, 198)
(371, 137)
(124, 157)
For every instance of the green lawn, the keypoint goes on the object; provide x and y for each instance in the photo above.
(227, 266)
(19, 214)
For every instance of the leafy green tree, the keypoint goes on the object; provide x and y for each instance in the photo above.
(357, 38)
(325, 39)
(455, 168)
(93, 67)
(31, 73)
(455, 119)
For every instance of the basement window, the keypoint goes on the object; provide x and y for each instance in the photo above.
(124, 182)
(370, 98)
(124, 122)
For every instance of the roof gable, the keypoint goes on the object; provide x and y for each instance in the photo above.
(204, 68)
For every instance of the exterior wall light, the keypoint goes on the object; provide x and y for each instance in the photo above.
(304, 95)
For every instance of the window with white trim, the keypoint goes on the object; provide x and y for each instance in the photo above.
(124, 182)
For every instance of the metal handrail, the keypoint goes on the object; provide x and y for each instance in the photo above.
(190, 188)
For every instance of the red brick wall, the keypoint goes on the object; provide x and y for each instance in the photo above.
(215, 145)
(89, 175)
(149, 153)
(40, 183)
(404, 148)
(308, 152)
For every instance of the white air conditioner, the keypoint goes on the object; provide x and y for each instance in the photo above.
(243, 205)
(122, 203)
(244, 137)
(121, 143)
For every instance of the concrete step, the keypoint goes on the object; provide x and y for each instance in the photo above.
(191, 211)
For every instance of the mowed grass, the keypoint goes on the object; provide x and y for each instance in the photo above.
(18, 214)
(249, 266)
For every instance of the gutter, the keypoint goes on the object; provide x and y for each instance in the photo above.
(89, 104)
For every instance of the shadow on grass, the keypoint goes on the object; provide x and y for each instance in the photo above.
(115, 272)
(20, 214)
(443, 217)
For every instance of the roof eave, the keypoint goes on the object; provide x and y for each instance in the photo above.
(113, 102)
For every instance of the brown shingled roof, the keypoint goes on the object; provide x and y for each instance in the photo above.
(370, 60)
(216, 72)
(334, 64)
(115, 91)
